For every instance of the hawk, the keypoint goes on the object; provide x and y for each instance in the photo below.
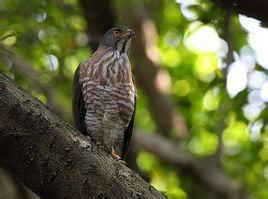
(104, 95)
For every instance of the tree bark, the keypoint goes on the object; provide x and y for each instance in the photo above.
(55, 161)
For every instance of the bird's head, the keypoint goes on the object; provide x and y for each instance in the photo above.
(118, 38)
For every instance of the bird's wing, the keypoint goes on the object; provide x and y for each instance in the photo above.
(79, 110)
(128, 132)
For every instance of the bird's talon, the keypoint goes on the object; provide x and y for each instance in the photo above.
(114, 155)
(123, 162)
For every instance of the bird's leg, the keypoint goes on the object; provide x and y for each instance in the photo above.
(114, 155)
(117, 157)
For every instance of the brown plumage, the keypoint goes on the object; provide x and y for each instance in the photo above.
(104, 95)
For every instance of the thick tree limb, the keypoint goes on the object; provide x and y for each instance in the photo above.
(206, 174)
(55, 161)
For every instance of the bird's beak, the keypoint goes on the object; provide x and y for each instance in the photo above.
(131, 34)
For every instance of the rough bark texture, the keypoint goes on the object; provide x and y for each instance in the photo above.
(55, 161)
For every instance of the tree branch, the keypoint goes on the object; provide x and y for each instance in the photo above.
(205, 173)
(256, 9)
(225, 106)
(55, 161)
(26, 69)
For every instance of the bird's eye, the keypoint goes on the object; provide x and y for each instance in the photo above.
(116, 33)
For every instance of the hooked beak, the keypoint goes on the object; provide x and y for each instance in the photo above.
(130, 34)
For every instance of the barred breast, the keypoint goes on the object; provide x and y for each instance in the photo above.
(109, 94)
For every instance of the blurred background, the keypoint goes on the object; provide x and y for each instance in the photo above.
(201, 70)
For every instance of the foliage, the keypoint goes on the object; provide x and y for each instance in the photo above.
(193, 44)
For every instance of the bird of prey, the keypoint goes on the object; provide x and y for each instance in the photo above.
(104, 95)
